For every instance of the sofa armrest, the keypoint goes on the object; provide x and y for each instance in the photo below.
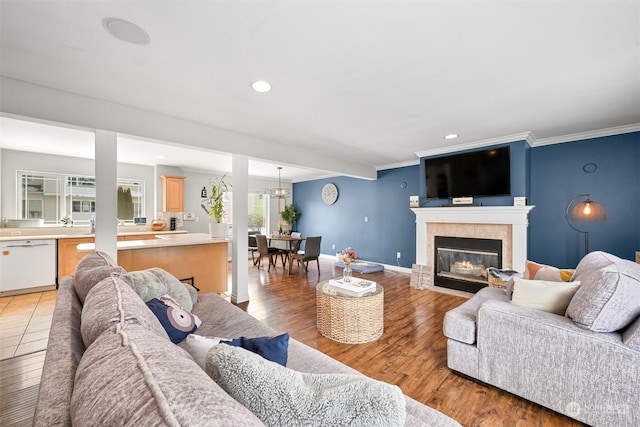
(546, 358)
(64, 351)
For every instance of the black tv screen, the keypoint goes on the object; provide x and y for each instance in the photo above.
(476, 174)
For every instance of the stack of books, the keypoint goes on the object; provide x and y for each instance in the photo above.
(357, 287)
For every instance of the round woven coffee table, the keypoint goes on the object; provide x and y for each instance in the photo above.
(349, 319)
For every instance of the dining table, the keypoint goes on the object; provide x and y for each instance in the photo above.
(293, 243)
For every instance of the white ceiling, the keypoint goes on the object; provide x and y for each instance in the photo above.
(372, 83)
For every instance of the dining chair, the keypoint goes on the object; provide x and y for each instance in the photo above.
(297, 235)
(253, 247)
(266, 251)
(311, 252)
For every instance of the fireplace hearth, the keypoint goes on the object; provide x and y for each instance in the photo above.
(461, 263)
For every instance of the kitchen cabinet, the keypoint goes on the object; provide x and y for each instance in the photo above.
(68, 255)
(172, 193)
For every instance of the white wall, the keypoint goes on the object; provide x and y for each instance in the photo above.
(12, 160)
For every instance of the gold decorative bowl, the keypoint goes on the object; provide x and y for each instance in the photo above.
(158, 224)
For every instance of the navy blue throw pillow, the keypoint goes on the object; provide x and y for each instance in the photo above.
(178, 322)
(271, 348)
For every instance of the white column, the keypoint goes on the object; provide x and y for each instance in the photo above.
(519, 246)
(421, 241)
(240, 246)
(106, 165)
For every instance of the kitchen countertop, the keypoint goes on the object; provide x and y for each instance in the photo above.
(163, 240)
(31, 234)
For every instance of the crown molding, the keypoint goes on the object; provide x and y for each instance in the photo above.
(524, 136)
(412, 162)
(618, 130)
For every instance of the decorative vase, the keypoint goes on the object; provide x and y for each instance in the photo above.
(218, 230)
(346, 273)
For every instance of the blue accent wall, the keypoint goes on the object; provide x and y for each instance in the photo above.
(557, 176)
(385, 202)
(549, 176)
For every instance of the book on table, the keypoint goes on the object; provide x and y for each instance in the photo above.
(357, 287)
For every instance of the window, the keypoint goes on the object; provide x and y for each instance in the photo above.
(52, 196)
(258, 206)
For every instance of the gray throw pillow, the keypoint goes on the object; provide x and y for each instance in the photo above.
(609, 297)
(155, 282)
(279, 396)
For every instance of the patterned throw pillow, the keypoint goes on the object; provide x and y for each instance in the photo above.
(535, 271)
(178, 322)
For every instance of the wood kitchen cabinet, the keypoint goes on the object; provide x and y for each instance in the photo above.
(68, 255)
(172, 193)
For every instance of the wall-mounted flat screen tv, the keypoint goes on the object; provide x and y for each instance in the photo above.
(477, 173)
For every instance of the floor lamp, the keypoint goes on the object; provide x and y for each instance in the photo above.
(584, 210)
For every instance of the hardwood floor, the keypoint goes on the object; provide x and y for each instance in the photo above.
(411, 352)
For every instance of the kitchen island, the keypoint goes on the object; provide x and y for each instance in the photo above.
(194, 256)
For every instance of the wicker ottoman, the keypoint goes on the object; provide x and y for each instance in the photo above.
(349, 319)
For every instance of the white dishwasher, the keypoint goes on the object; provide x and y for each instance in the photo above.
(26, 265)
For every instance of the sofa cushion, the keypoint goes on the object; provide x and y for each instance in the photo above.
(279, 396)
(552, 297)
(609, 297)
(155, 282)
(631, 335)
(129, 376)
(113, 301)
(91, 270)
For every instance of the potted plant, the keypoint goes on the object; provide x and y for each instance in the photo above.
(290, 214)
(214, 206)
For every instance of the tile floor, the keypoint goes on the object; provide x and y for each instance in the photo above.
(24, 323)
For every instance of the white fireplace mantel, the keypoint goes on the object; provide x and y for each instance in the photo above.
(515, 216)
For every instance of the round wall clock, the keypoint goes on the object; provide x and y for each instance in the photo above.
(329, 194)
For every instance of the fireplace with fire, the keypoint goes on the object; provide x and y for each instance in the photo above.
(461, 263)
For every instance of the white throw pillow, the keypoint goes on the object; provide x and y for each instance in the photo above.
(198, 346)
(553, 297)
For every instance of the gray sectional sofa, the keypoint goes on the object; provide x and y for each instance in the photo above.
(585, 364)
(110, 362)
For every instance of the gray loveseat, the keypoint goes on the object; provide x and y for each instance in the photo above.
(585, 364)
(129, 372)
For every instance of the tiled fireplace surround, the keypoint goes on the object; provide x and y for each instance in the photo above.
(506, 223)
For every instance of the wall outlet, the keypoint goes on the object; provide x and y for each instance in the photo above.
(398, 255)
(333, 246)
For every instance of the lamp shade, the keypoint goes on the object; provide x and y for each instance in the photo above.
(585, 210)
(588, 210)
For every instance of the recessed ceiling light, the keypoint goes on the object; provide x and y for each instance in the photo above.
(126, 31)
(451, 136)
(261, 86)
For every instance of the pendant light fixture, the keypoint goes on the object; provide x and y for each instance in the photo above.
(280, 193)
